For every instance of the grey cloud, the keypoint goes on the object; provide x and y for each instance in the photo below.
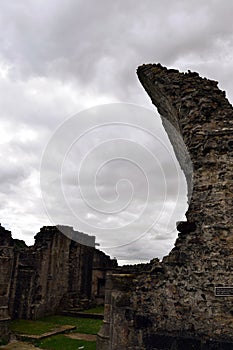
(64, 56)
(101, 46)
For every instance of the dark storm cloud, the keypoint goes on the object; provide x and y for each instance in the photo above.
(100, 46)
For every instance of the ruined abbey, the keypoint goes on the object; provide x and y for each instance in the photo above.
(184, 301)
(59, 273)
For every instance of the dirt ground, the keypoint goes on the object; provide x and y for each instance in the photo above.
(81, 336)
(18, 345)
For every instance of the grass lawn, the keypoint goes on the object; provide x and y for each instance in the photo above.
(83, 325)
(60, 342)
(31, 327)
(47, 324)
(95, 310)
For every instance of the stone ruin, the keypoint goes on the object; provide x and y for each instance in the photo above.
(56, 274)
(186, 300)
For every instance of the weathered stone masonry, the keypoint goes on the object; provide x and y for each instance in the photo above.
(57, 273)
(6, 265)
(174, 306)
(45, 272)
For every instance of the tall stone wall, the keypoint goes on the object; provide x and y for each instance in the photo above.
(102, 265)
(174, 305)
(6, 265)
(45, 273)
(54, 274)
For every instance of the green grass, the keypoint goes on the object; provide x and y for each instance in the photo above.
(60, 342)
(3, 342)
(31, 327)
(83, 325)
(47, 324)
(95, 310)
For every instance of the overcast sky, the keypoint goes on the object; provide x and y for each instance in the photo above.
(108, 170)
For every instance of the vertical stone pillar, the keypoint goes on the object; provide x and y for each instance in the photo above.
(6, 263)
(118, 314)
(103, 337)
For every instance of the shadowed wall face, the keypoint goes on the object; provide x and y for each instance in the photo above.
(55, 274)
(6, 265)
(54, 270)
(176, 300)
